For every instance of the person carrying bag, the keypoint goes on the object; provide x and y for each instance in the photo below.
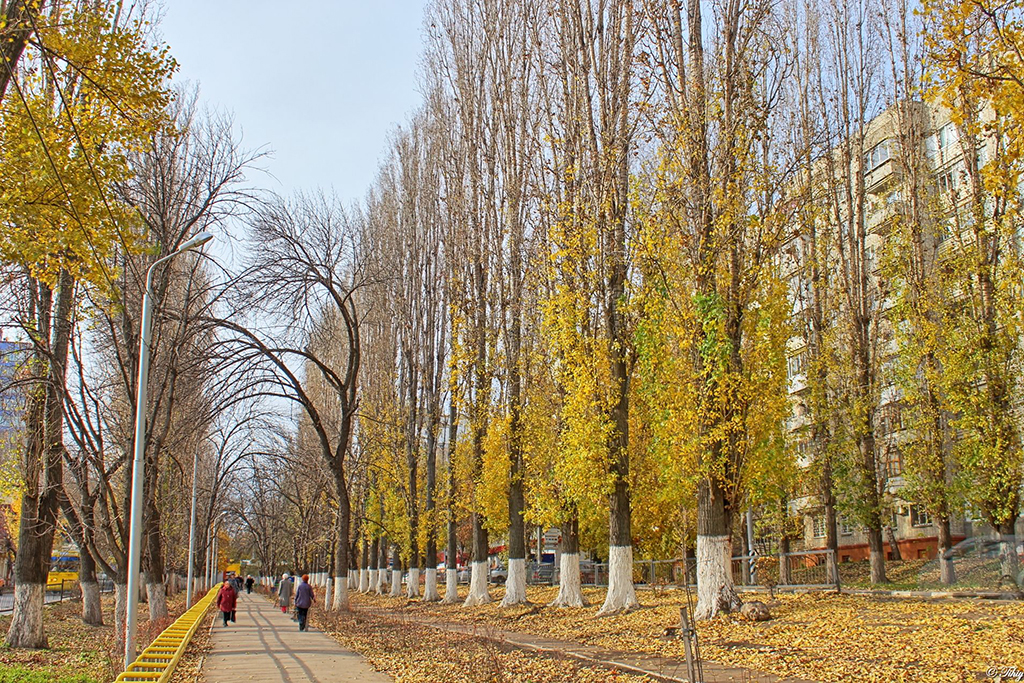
(226, 599)
(304, 599)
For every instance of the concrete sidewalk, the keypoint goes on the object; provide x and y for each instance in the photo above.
(265, 646)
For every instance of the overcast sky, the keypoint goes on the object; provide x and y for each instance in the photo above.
(318, 82)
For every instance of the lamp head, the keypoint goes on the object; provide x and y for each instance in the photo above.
(197, 241)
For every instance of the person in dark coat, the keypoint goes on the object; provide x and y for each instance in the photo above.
(226, 600)
(249, 581)
(304, 599)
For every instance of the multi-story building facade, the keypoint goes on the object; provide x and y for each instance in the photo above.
(909, 526)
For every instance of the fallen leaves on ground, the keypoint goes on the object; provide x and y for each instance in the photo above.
(812, 636)
(78, 653)
(413, 653)
(189, 668)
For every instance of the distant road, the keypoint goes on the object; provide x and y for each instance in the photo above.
(7, 599)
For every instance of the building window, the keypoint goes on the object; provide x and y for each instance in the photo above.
(919, 516)
(796, 364)
(878, 155)
(893, 462)
(846, 527)
(889, 419)
(947, 138)
(946, 183)
(818, 523)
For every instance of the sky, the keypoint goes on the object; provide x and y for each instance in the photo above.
(318, 83)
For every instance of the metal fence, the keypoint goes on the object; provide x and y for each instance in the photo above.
(805, 569)
(55, 592)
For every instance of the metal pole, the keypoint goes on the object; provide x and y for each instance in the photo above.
(192, 533)
(138, 473)
(750, 544)
(216, 558)
(135, 538)
(209, 559)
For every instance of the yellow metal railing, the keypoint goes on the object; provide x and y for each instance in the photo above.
(157, 662)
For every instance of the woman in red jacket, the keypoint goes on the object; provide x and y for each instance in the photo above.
(226, 600)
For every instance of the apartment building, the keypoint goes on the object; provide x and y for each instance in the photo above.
(911, 528)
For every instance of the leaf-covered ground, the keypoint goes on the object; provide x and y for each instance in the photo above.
(189, 668)
(77, 653)
(815, 636)
(412, 653)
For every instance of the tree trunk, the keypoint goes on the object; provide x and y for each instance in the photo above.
(784, 575)
(92, 610)
(396, 572)
(515, 582)
(478, 592)
(364, 571)
(1008, 563)
(570, 592)
(947, 570)
(43, 471)
(451, 589)
(156, 595)
(412, 587)
(744, 552)
(341, 559)
(430, 593)
(876, 555)
(890, 535)
(831, 527)
(382, 567)
(120, 611)
(715, 591)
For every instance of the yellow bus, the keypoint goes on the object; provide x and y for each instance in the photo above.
(63, 570)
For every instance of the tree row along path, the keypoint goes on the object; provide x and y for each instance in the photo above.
(265, 646)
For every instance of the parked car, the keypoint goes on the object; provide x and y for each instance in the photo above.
(588, 572)
(498, 575)
(463, 575)
(541, 573)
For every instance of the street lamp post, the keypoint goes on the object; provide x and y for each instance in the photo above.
(192, 532)
(141, 405)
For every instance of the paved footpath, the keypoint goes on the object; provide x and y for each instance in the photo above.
(265, 646)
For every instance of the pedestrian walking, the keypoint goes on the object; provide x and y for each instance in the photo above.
(304, 599)
(248, 583)
(226, 599)
(284, 593)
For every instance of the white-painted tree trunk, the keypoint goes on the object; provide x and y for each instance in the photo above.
(430, 586)
(715, 592)
(340, 601)
(28, 630)
(515, 583)
(451, 587)
(328, 595)
(353, 582)
(156, 594)
(412, 586)
(621, 591)
(120, 604)
(364, 580)
(92, 610)
(396, 583)
(382, 581)
(478, 593)
(570, 590)
(371, 583)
